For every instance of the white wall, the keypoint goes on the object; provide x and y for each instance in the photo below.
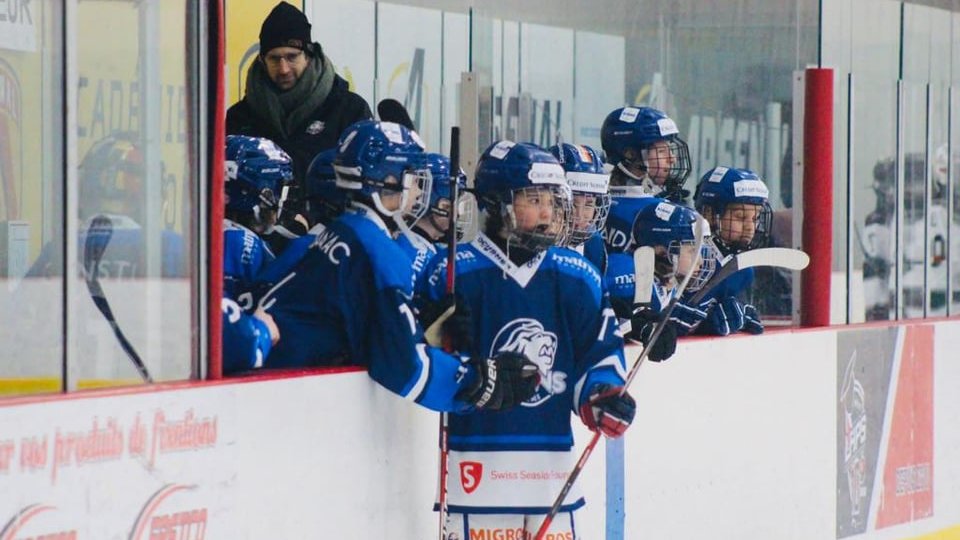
(734, 438)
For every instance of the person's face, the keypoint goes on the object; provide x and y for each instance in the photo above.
(533, 209)
(441, 222)
(738, 224)
(660, 160)
(285, 65)
(584, 210)
(688, 262)
(391, 199)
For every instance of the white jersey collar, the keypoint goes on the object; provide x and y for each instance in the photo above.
(521, 274)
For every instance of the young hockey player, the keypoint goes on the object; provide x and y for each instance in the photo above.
(669, 229)
(649, 159)
(348, 301)
(428, 226)
(544, 301)
(589, 184)
(255, 172)
(734, 202)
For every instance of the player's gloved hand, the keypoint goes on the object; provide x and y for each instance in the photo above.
(727, 316)
(643, 323)
(503, 381)
(665, 345)
(687, 318)
(606, 411)
(751, 320)
(622, 307)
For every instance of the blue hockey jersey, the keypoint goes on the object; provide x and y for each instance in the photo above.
(245, 255)
(552, 310)
(348, 302)
(625, 203)
(620, 283)
(419, 250)
(246, 339)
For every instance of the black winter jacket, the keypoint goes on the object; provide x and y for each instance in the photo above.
(320, 132)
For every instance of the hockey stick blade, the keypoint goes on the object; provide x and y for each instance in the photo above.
(99, 234)
(791, 259)
(391, 110)
(643, 267)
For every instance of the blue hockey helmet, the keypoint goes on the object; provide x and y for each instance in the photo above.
(589, 184)
(735, 202)
(672, 227)
(325, 202)
(379, 159)
(513, 178)
(644, 142)
(439, 167)
(256, 172)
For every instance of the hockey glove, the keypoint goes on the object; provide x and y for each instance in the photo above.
(606, 411)
(687, 318)
(665, 345)
(751, 320)
(501, 382)
(622, 307)
(727, 316)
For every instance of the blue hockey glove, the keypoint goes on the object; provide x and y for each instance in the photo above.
(501, 382)
(687, 318)
(606, 411)
(751, 320)
(727, 316)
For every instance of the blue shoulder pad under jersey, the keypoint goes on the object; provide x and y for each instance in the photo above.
(618, 233)
(419, 251)
(246, 339)
(553, 311)
(596, 252)
(244, 256)
(348, 301)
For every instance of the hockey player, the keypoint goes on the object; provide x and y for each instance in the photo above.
(530, 296)
(669, 229)
(429, 225)
(255, 172)
(649, 159)
(735, 203)
(589, 184)
(348, 301)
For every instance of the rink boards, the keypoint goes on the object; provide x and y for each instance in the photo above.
(835, 433)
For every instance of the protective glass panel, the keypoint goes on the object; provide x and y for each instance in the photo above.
(873, 199)
(31, 197)
(913, 243)
(135, 306)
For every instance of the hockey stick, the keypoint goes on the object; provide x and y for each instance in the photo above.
(451, 291)
(98, 236)
(643, 266)
(791, 259)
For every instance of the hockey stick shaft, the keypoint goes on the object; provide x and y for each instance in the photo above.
(665, 320)
(451, 291)
(98, 236)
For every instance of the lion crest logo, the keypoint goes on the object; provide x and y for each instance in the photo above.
(530, 338)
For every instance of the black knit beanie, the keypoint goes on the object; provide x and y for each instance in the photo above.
(285, 26)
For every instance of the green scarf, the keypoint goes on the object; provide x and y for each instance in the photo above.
(285, 111)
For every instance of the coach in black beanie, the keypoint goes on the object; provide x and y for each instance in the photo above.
(294, 97)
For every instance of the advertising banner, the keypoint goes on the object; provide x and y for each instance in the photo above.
(884, 427)
(137, 467)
